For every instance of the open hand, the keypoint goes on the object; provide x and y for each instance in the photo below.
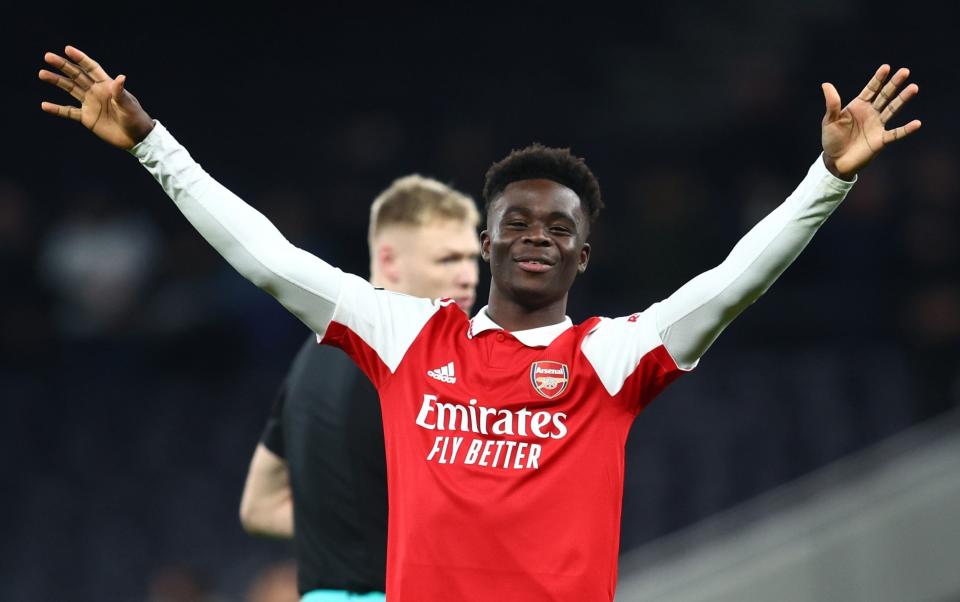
(852, 136)
(106, 108)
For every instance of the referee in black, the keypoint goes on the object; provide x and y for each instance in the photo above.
(320, 462)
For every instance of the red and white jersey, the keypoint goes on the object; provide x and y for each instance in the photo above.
(505, 451)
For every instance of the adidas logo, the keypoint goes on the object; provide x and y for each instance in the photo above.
(444, 374)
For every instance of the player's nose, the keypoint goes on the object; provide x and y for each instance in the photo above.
(536, 235)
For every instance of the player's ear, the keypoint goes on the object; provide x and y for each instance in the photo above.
(584, 258)
(485, 246)
(389, 263)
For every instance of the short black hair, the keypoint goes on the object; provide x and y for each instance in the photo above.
(543, 162)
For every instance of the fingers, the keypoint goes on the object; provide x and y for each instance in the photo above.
(875, 83)
(887, 92)
(71, 86)
(895, 104)
(90, 66)
(901, 132)
(61, 111)
(72, 71)
(832, 99)
(118, 85)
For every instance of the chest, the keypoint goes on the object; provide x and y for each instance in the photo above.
(489, 402)
(493, 385)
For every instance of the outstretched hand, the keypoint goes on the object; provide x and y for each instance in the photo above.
(106, 108)
(852, 136)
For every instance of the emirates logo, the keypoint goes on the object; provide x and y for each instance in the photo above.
(549, 379)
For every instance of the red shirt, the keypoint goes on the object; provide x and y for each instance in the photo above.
(505, 451)
(505, 457)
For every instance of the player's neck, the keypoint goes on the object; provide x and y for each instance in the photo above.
(511, 315)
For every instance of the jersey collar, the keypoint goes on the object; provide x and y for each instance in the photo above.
(533, 337)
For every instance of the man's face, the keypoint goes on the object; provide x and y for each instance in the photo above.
(535, 242)
(435, 260)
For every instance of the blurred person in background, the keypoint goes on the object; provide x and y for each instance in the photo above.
(541, 521)
(97, 260)
(320, 464)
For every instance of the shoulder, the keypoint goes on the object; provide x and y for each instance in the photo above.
(450, 312)
(446, 319)
(620, 347)
(318, 368)
(639, 328)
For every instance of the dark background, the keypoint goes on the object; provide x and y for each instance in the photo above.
(136, 368)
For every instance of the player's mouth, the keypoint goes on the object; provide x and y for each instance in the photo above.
(530, 263)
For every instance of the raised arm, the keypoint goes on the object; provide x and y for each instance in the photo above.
(367, 319)
(690, 320)
(304, 284)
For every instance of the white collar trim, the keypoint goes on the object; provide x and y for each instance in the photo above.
(532, 337)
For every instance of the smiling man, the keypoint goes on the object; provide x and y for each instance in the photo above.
(505, 432)
(539, 205)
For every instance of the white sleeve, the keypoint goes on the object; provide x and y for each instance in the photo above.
(307, 286)
(690, 320)
(383, 324)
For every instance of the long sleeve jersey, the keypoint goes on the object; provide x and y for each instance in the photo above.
(504, 449)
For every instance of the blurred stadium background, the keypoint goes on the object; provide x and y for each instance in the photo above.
(813, 456)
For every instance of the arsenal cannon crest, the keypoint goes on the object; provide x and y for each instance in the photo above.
(549, 378)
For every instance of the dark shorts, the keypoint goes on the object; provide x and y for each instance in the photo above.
(336, 595)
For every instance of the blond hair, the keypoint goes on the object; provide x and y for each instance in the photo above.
(416, 201)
